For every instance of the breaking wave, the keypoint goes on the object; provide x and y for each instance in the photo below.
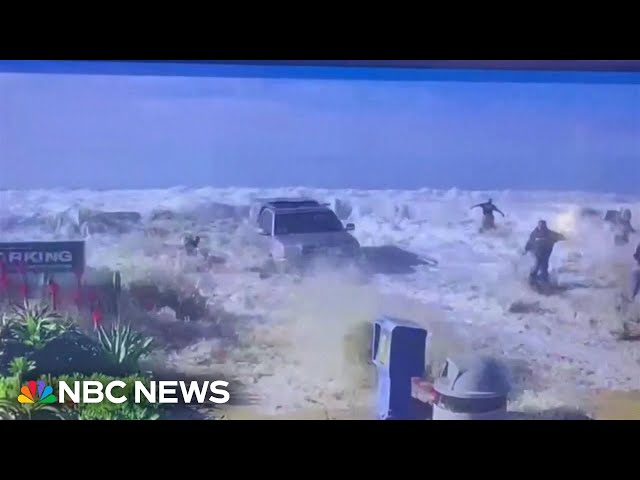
(303, 347)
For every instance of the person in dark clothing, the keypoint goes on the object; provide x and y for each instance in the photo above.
(636, 274)
(541, 243)
(488, 220)
(623, 227)
(191, 244)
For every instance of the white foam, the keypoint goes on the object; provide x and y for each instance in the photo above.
(476, 279)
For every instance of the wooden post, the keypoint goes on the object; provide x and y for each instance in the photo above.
(4, 280)
(22, 268)
(54, 293)
(78, 295)
(117, 290)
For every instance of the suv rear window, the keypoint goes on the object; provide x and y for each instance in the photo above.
(307, 222)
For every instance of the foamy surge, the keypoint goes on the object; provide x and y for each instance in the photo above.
(303, 343)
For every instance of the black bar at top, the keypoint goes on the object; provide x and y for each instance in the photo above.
(548, 65)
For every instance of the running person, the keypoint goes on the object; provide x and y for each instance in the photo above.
(541, 243)
(488, 220)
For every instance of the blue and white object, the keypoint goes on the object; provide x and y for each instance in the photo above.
(399, 354)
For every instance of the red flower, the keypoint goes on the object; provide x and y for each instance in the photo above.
(97, 318)
(54, 290)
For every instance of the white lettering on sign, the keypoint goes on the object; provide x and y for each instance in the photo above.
(38, 257)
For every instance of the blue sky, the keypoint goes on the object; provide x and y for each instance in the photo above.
(337, 128)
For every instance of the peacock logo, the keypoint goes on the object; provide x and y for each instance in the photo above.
(44, 393)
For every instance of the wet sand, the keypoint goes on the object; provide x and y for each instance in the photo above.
(249, 413)
(617, 405)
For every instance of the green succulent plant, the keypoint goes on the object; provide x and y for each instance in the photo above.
(20, 366)
(10, 409)
(124, 346)
(36, 325)
(9, 388)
